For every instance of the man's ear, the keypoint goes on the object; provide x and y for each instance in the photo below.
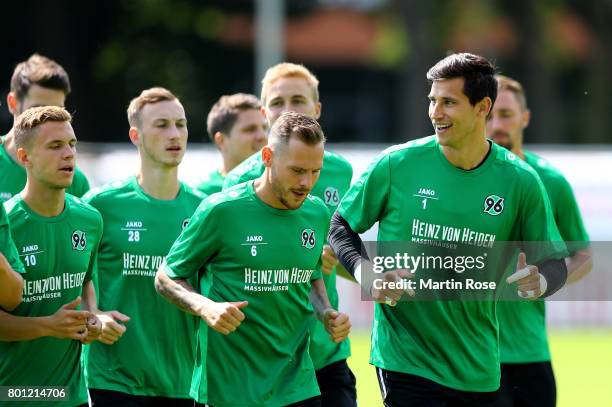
(485, 106)
(526, 117)
(11, 102)
(318, 107)
(22, 157)
(134, 135)
(267, 155)
(219, 139)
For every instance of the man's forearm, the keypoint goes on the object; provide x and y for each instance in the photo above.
(346, 243)
(579, 265)
(319, 298)
(90, 302)
(14, 328)
(11, 286)
(179, 293)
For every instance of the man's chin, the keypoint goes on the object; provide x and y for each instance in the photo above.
(293, 203)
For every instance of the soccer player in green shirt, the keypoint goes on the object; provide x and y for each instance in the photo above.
(57, 237)
(236, 126)
(527, 377)
(454, 188)
(257, 249)
(11, 283)
(39, 81)
(292, 87)
(153, 362)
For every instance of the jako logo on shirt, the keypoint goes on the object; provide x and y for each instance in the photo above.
(493, 205)
(79, 242)
(308, 238)
(185, 223)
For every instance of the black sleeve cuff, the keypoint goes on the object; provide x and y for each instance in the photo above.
(346, 243)
(555, 273)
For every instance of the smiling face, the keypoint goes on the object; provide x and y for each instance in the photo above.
(50, 156)
(454, 118)
(162, 133)
(290, 94)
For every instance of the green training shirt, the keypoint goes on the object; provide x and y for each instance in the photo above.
(212, 184)
(14, 178)
(334, 181)
(156, 354)
(268, 257)
(7, 246)
(417, 196)
(522, 324)
(59, 255)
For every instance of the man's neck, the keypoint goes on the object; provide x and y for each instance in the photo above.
(159, 182)
(228, 165)
(265, 192)
(44, 201)
(9, 145)
(470, 153)
(518, 149)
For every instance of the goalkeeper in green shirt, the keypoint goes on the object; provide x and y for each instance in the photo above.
(453, 188)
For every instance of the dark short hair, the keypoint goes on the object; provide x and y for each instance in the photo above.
(478, 72)
(514, 86)
(292, 124)
(41, 71)
(225, 112)
(28, 122)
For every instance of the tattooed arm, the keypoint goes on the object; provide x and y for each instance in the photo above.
(223, 317)
(336, 323)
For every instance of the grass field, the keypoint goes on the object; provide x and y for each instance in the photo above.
(582, 361)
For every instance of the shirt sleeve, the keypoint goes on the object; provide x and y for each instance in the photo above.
(196, 245)
(539, 232)
(365, 202)
(569, 219)
(7, 246)
(249, 169)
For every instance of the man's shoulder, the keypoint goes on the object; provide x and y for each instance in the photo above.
(109, 191)
(193, 193)
(82, 209)
(547, 172)
(412, 147)
(228, 198)
(13, 205)
(335, 159)
(317, 206)
(249, 169)
(508, 162)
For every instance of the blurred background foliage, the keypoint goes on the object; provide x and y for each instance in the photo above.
(370, 55)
